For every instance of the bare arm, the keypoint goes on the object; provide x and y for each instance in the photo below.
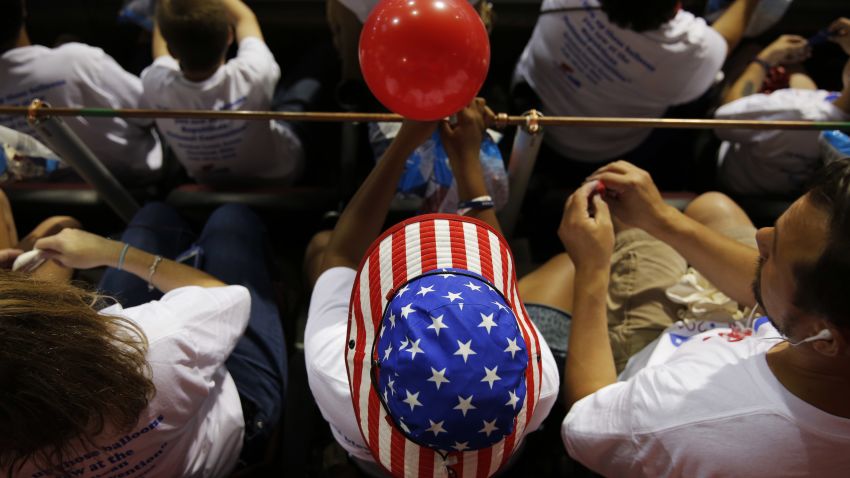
(726, 263)
(786, 50)
(363, 218)
(462, 143)
(733, 23)
(158, 46)
(243, 19)
(589, 240)
(78, 249)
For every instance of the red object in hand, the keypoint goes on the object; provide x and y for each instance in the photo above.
(424, 59)
(600, 188)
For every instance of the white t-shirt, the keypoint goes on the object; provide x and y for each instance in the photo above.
(773, 161)
(579, 64)
(703, 406)
(324, 352)
(193, 427)
(75, 75)
(223, 150)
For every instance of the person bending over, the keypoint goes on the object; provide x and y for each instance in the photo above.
(185, 376)
(419, 352)
(765, 398)
(190, 71)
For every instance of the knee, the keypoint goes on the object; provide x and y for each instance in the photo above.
(236, 218)
(154, 213)
(57, 223)
(711, 205)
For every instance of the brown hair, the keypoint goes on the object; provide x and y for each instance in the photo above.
(67, 372)
(196, 31)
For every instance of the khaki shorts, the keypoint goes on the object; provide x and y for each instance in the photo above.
(642, 269)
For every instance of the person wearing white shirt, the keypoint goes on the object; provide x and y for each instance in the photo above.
(620, 58)
(189, 71)
(188, 383)
(75, 75)
(764, 399)
(778, 162)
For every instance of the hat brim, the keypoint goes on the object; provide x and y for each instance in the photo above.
(404, 252)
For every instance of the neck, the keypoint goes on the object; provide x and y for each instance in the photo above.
(23, 39)
(201, 75)
(819, 381)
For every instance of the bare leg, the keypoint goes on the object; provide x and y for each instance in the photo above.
(550, 284)
(314, 255)
(720, 213)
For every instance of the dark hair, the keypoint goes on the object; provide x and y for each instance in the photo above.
(639, 15)
(821, 287)
(10, 22)
(196, 31)
(67, 372)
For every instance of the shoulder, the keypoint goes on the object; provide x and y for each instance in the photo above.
(255, 58)
(191, 307)
(161, 68)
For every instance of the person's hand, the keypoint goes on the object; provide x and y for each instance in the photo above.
(586, 229)
(632, 196)
(413, 133)
(7, 257)
(462, 140)
(786, 50)
(78, 249)
(840, 33)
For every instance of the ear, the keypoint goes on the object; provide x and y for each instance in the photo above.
(834, 346)
(231, 36)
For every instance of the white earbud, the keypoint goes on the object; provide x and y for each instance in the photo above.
(824, 334)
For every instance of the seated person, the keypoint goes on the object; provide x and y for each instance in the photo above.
(435, 366)
(184, 377)
(75, 75)
(731, 401)
(11, 246)
(621, 58)
(190, 71)
(778, 162)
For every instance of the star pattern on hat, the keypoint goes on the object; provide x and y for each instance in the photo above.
(487, 322)
(438, 377)
(464, 404)
(513, 348)
(412, 400)
(489, 427)
(465, 350)
(461, 382)
(437, 324)
(490, 376)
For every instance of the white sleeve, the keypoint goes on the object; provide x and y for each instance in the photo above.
(211, 319)
(324, 354)
(257, 64)
(548, 388)
(598, 431)
(759, 106)
(107, 83)
(708, 57)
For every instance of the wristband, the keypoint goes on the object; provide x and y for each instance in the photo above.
(122, 256)
(152, 271)
(478, 204)
(767, 66)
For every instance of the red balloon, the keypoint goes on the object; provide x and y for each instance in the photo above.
(424, 59)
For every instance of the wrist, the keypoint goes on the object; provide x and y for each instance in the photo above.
(766, 59)
(592, 275)
(112, 253)
(663, 221)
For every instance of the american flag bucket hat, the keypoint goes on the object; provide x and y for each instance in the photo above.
(443, 362)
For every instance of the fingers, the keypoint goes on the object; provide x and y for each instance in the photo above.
(50, 243)
(840, 27)
(603, 213)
